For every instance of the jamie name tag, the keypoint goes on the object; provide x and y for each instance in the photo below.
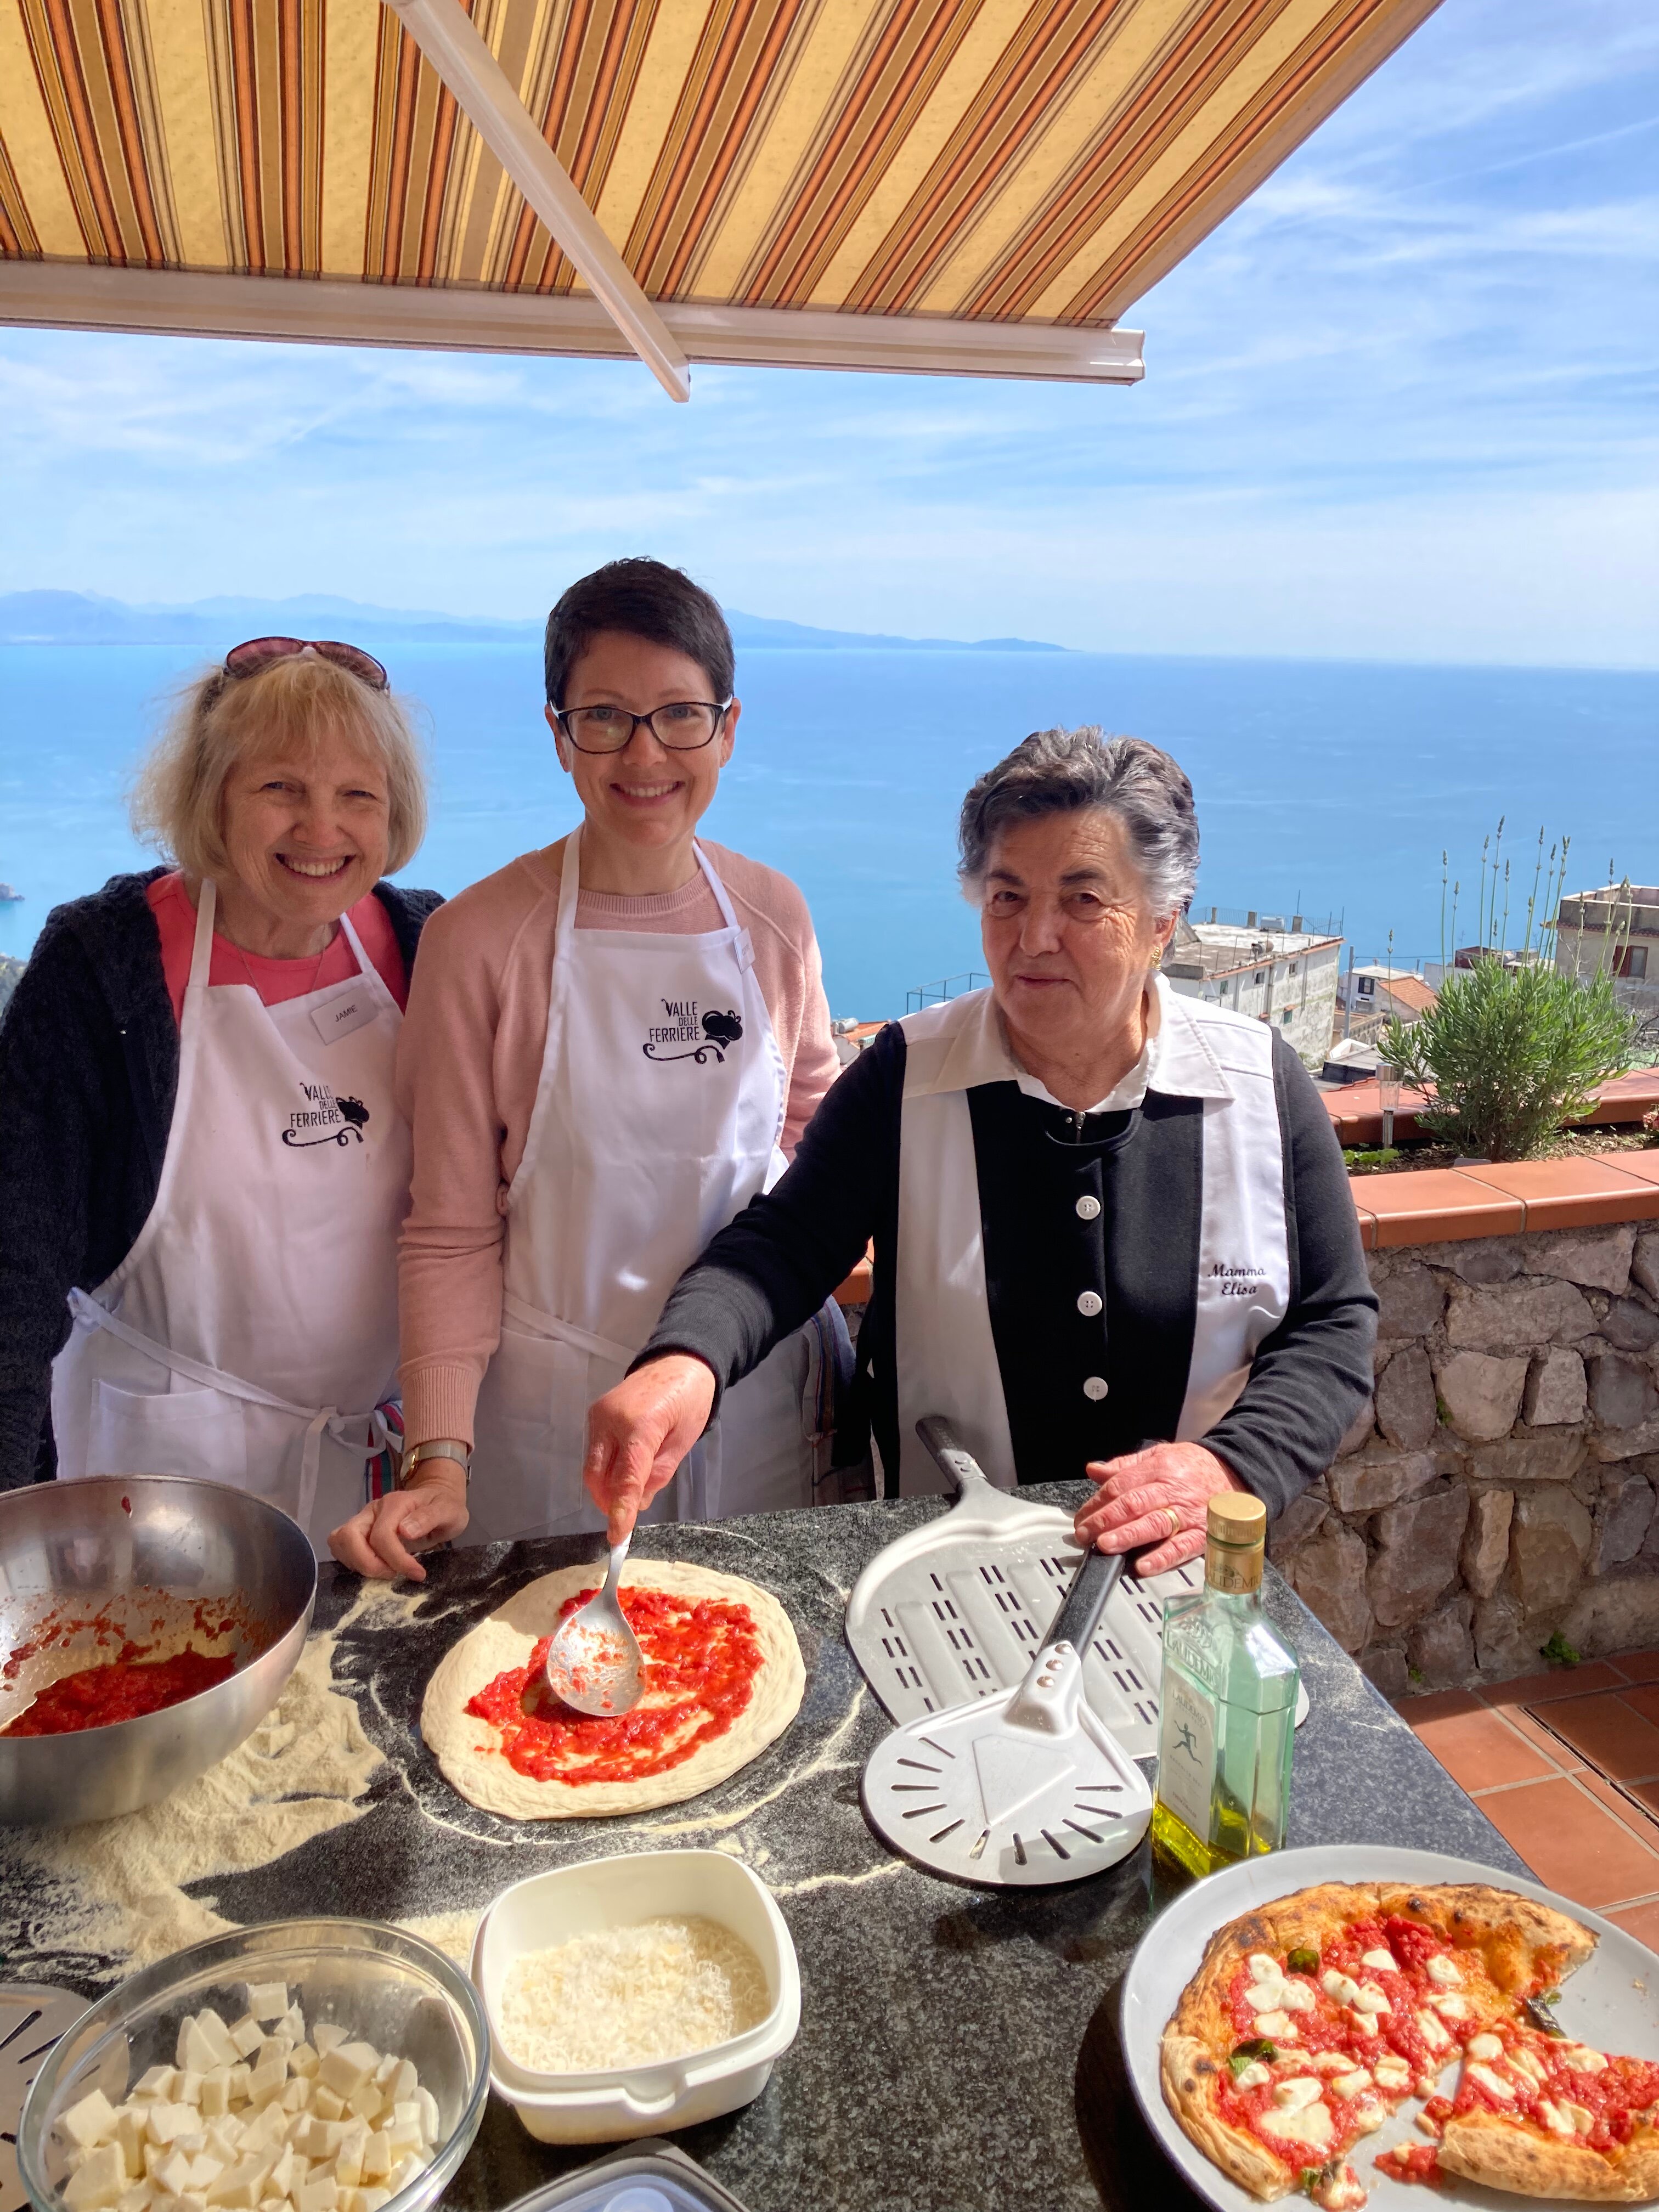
(339, 1016)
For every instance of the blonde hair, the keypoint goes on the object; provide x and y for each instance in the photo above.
(178, 796)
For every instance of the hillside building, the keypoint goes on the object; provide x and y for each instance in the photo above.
(1372, 996)
(1616, 927)
(1284, 977)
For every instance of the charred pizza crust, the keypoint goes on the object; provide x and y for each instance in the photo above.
(1485, 2146)
(1520, 1945)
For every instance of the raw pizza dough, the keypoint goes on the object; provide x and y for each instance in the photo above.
(465, 1747)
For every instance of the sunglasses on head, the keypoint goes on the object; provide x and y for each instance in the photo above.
(259, 652)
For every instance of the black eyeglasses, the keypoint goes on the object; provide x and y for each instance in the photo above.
(685, 726)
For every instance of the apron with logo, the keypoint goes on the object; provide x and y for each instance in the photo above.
(252, 1329)
(657, 1118)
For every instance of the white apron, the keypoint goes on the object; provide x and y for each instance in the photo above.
(946, 1350)
(252, 1328)
(657, 1118)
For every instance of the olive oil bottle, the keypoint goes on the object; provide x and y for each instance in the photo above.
(1228, 1706)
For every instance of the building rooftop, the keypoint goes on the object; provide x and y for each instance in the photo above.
(1624, 908)
(1210, 949)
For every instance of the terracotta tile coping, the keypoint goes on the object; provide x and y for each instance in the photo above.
(1357, 1108)
(1443, 1206)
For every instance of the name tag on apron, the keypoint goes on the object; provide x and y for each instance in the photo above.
(339, 1016)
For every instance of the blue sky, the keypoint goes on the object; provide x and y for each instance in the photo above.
(1401, 406)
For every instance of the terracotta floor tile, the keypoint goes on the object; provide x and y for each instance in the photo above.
(1642, 1921)
(1558, 1754)
(1438, 1705)
(1481, 1751)
(1608, 1733)
(1641, 1820)
(1643, 1698)
(1638, 1665)
(1551, 1682)
(1572, 1845)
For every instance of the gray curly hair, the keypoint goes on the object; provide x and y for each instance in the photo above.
(1061, 772)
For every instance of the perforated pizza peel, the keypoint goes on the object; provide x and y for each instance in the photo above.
(31, 2018)
(958, 1610)
(1025, 1788)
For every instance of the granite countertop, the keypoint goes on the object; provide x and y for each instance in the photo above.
(955, 2049)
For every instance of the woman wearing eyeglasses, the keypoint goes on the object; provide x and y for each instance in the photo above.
(611, 1045)
(203, 1164)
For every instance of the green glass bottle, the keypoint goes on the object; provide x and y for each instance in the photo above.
(1228, 1699)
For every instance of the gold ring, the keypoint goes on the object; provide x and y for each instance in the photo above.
(1175, 1521)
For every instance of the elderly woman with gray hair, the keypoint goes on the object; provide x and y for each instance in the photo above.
(1112, 1232)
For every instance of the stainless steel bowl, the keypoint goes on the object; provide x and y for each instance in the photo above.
(84, 1564)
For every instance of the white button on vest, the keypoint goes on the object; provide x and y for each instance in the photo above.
(1094, 1386)
(1088, 1209)
(1089, 1302)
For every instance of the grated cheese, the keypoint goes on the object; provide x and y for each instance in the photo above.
(630, 1996)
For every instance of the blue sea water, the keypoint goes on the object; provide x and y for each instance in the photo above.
(1326, 786)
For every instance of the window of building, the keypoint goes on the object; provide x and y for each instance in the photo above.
(1285, 1016)
(1256, 978)
(1632, 961)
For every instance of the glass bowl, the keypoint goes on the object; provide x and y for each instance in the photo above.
(381, 1984)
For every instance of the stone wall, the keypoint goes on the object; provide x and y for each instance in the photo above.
(1500, 1487)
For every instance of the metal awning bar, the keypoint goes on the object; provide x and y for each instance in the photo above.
(445, 36)
(69, 295)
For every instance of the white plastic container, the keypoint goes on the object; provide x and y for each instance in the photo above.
(610, 1892)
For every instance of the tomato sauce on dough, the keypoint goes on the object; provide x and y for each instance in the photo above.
(119, 1690)
(701, 1657)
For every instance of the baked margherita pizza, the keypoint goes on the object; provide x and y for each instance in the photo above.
(1311, 2020)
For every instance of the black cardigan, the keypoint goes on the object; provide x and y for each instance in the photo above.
(88, 1067)
(760, 1278)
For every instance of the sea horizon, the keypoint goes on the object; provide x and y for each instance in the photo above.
(1324, 786)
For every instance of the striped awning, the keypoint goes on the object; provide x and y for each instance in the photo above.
(950, 183)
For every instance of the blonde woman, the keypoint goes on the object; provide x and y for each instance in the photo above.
(202, 1166)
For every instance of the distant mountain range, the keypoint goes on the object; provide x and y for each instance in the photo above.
(211, 626)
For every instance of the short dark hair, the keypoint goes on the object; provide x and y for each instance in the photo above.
(1063, 771)
(646, 599)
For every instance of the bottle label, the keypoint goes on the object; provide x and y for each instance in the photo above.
(1233, 1569)
(1186, 1759)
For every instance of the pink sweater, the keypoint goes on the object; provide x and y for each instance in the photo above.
(469, 1060)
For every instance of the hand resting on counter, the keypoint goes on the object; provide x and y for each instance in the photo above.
(638, 1434)
(381, 1538)
(1137, 1495)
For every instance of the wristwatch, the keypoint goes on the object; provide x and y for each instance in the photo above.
(461, 1453)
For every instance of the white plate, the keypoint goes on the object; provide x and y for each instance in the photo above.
(1611, 2002)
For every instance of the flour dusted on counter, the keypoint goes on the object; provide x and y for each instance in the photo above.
(299, 1774)
(451, 1933)
(630, 1996)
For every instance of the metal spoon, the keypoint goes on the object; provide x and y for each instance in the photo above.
(594, 1663)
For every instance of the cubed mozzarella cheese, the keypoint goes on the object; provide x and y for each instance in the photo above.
(1392, 2073)
(1485, 2045)
(1451, 2008)
(246, 2036)
(241, 2187)
(187, 2089)
(214, 2099)
(1350, 2085)
(324, 2102)
(1583, 2120)
(90, 2121)
(1524, 2062)
(1297, 1996)
(173, 2173)
(1263, 1968)
(1260, 1996)
(1276, 2026)
(365, 2102)
(1363, 2022)
(1310, 2125)
(1249, 2077)
(157, 2082)
(319, 2196)
(164, 2123)
(99, 2180)
(1366, 2118)
(377, 2160)
(267, 2001)
(1582, 2060)
(296, 2095)
(1553, 2117)
(1369, 1998)
(1443, 1974)
(1433, 2033)
(1380, 1962)
(327, 2037)
(1342, 1988)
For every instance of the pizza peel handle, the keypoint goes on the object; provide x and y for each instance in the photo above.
(1083, 1603)
(953, 1458)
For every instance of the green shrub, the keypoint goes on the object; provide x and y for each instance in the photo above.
(1510, 1053)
